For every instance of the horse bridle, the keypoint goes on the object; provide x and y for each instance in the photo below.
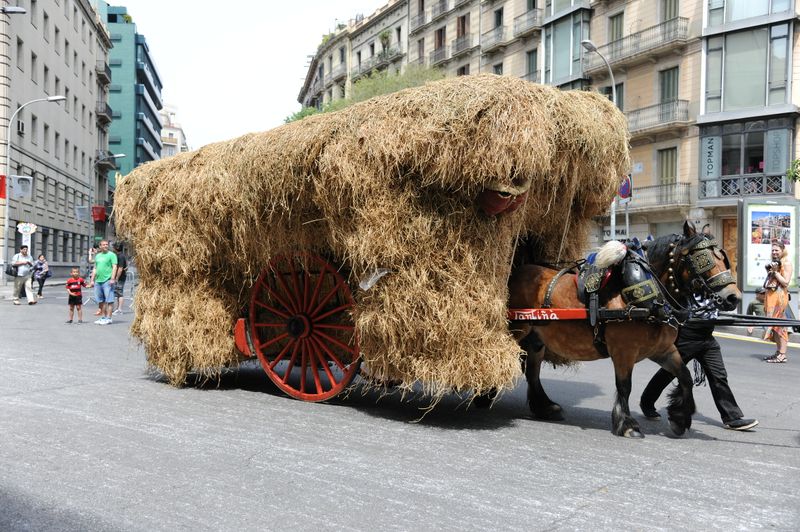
(698, 257)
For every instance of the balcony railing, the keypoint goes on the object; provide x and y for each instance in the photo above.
(493, 38)
(661, 196)
(417, 21)
(328, 79)
(103, 112)
(662, 36)
(528, 23)
(339, 71)
(744, 185)
(462, 44)
(532, 76)
(103, 72)
(439, 8)
(388, 55)
(438, 55)
(658, 116)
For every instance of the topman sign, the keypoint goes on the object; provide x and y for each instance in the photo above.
(711, 158)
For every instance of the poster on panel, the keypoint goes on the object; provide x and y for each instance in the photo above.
(764, 223)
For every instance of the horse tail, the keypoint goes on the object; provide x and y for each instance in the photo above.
(611, 253)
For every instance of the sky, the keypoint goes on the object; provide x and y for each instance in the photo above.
(235, 67)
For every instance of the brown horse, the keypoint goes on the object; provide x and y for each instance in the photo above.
(627, 342)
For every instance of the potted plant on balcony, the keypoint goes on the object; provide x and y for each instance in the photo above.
(384, 37)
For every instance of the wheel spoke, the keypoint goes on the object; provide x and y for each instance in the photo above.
(326, 299)
(330, 353)
(290, 366)
(317, 288)
(303, 366)
(274, 294)
(333, 326)
(280, 356)
(293, 303)
(313, 362)
(321, 359)
(340, 308)
(306, 282)
(273, 310)
(270, 342)
(332, 340)
(296, 286)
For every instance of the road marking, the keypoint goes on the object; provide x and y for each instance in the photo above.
(731, 336)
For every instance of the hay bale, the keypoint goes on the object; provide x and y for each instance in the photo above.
(387, 183)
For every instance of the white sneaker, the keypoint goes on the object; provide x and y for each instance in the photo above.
(106, 321)
(100, 321)
(117, 312)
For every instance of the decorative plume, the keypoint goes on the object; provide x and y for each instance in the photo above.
(610, 254)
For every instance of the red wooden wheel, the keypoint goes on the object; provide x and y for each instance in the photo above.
(302, 328)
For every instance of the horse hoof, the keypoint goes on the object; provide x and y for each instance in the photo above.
(677, 428)
(552, 412)
(633, 433)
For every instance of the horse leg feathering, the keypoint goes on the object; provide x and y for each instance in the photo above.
(681, 398)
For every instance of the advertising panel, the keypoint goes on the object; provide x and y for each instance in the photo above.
(764, 223)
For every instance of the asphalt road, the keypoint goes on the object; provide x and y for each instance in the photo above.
(89, 440)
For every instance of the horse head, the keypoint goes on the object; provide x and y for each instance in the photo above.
(503, 198)
(697, 265)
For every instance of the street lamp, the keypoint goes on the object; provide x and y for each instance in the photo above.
(12, 10)
(589, 46)
(8, 172)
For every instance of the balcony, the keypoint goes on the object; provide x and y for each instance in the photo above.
(640, 46)
(462, 44)
(339, 72)
(658, 118)
(146, 78)
(533, 77)
(459, 2)
(737, 186)
(439, 9)
(387, 56)
(528, 24)
(103, 112)
(417, 22)
(104, 161)
(438, 55)
(103, 72)
(493, 39)
(659, 197)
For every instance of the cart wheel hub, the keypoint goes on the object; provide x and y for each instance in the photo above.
(299, 326)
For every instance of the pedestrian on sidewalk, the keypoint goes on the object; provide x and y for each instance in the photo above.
(41, 272)
(122, 273)
(24, 263)
(75, 296)
(103, 279)
(756, 308)
(779, 273)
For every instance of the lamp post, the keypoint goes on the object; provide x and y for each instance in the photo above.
(589, 46)
(12, 10)
(8, 180)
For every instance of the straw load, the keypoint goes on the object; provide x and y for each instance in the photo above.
(388, 183)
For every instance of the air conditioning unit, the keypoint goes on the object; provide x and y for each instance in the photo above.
(20, 127)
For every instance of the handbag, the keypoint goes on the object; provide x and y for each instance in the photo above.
(11, 270)
(48, 274)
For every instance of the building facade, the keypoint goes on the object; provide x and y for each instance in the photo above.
(135, 95)
(57, 48)
(707, 87)
(173, 138)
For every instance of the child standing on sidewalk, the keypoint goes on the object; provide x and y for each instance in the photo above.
(74, 285)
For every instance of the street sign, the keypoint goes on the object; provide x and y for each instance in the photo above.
(626, 190)
(21, 187)
(26, 230)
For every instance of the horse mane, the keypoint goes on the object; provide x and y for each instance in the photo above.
(658, 250)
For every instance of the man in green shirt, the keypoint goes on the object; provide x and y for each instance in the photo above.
(103, 278)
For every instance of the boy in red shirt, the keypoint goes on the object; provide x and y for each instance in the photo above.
(74, 285)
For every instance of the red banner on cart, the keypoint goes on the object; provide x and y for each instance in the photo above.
(547, 314)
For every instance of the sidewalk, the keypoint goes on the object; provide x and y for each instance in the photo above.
(6, 292)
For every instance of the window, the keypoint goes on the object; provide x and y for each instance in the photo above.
(83, 115)
(66, 153)
(752, 67)
(398, 33)
(34, 129)
(57, 40)
(57, 145)
(57, 86)
(668, 166)
(498, 69)
(498, 17)
(531, 62)
(620, 87)
(615, 26)
(721, 11)
(372, 49)
(668, 85)
(46, 79)
(439, 38)
(669, 10)
(745, 158)
(75, 62)
(75, 157)
(75, 107)
(46, 140)
(46, 26)
(421, 50)
(66, 101)
(20, 54)
(66, 52)
(462, 26)
(341, 55)
(34, 67)
(463, 70)
(83, 72)
(358, 58)
(34, 13)
(563, 51)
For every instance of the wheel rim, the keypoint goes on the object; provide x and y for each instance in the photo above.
(302, 328)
